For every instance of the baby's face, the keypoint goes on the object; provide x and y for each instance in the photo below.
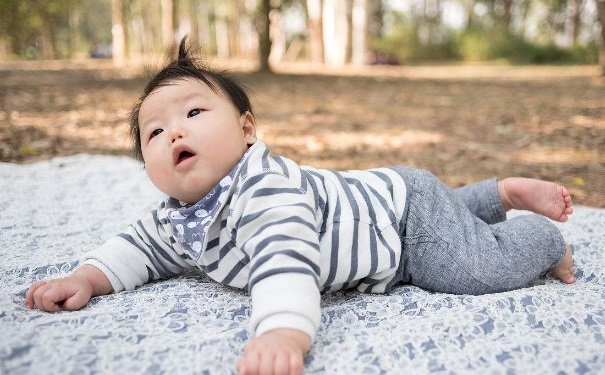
(191, 137)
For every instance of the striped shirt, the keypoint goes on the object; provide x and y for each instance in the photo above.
(285, 233)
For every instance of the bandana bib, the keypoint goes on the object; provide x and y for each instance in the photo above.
(191, 221)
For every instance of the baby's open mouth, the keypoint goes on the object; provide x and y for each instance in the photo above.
(184, 155)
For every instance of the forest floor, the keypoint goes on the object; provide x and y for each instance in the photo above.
(462, 122)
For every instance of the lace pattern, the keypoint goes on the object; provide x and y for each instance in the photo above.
(52, 212)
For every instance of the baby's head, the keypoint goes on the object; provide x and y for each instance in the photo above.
(185, 66)
(191, 127)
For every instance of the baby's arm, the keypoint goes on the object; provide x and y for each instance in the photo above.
(68, 293)
(279, 351)
(282, 244)
(140, 254)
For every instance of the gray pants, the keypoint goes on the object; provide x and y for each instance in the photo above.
(459, 241)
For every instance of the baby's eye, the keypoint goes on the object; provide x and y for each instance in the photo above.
(194, 112)
(155, 132)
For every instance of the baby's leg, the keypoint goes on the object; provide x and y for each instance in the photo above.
(542, 197)
(483, 200)
(564, 270)
(449, 249)
(490, 199)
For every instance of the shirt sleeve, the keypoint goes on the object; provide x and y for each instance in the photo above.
(140, 254)
(276, 230)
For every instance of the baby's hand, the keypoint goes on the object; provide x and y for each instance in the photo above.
(279, 351)
(69, 293)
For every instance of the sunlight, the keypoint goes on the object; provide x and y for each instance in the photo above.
(352, 140)
(546, 155)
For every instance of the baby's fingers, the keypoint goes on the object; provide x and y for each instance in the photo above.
(29, 297)
(269, 363)
(77, 301)
(248, 365)
(296, 364)
(281, 364)
(266, 364)
(287, 363)
(49, 297)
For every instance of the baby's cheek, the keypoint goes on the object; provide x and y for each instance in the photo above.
(159, 176)
(165, 173)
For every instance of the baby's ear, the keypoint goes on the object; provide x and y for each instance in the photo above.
(248, 124)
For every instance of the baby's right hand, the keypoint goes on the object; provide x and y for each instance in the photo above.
(69, 293)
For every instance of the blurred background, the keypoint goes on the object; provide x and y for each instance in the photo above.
(468, 89)
(335, 32)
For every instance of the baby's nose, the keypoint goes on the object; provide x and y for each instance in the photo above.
(175, 134)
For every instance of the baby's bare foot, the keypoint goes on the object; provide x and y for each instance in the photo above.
(542, 197)
(564, 270)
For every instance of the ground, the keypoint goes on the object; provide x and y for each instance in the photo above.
(464, 123)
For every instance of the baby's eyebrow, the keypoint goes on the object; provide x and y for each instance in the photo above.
(193, 96)
(145, 124)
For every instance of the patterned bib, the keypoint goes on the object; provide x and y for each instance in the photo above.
(192, 221)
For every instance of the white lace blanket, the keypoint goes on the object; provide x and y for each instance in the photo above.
(51, 212)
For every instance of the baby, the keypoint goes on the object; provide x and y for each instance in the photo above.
(287, 233)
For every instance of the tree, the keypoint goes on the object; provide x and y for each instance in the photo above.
(117, 32)
(469, 10)
(314, 27)
(507, 14)
(601, 20)
(263, 28)
(31, 27)
(74, 26)
(168, 24)
(500, 12)
(335, 31)
(555, 21)
(359, 22)
(95, 26)
(576, 10)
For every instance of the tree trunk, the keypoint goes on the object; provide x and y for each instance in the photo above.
(193, 19)
(576, 10)
(168, 24)
(601, 13)
(335, 32)
(183, 24)
(204, 33)
(49, 43)
(507, 16)
(248, 38)
(136, 29)
(234, 22)
(117, 33)
(264, 40)
(469, 10)
(151, 13)
(359, 42)
(278, 38)
(523, 13)
(221, 29)
(314, 24)
(74, 26)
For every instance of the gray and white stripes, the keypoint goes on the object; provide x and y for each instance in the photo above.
(285, 233)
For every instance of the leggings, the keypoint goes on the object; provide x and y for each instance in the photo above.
(459, 241)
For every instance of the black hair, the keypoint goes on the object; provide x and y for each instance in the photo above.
(183, 67)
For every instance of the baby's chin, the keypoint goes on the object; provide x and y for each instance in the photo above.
(189, 199)
(193, 193)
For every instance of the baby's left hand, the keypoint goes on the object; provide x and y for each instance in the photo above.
(279, 351)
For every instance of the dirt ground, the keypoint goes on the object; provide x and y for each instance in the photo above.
(464, 123)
